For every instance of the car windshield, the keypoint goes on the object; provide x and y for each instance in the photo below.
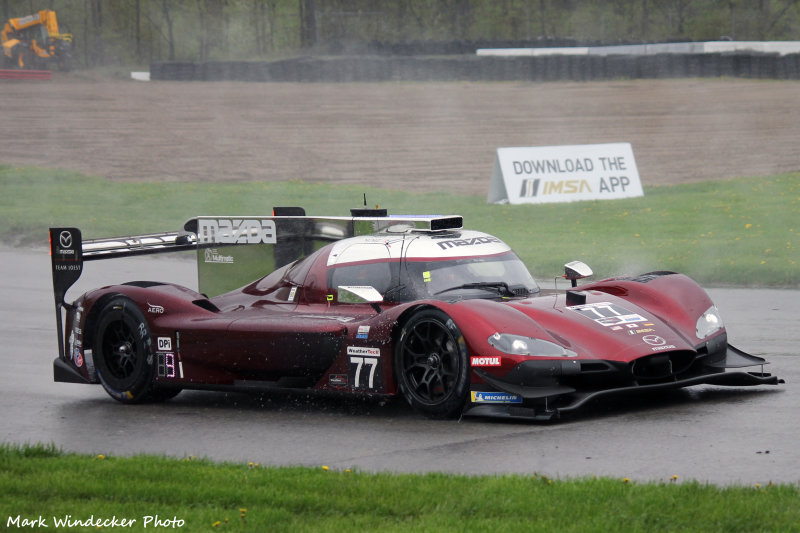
(476, 277)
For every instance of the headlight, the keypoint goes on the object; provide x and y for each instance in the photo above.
(519, 345)
(710, 322)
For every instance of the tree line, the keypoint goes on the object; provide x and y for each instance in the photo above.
(129, 32)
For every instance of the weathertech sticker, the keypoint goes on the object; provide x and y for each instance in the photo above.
(363, 350)
(337, 381)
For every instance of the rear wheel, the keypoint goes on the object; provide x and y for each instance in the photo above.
(432, 364)
(123, 353)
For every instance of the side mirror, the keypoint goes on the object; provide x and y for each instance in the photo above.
(358, 294)
(577, 270)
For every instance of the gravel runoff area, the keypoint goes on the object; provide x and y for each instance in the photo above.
(401, 135)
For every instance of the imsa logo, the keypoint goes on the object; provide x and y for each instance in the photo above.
(531, 187)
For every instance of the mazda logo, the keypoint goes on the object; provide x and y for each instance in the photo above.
(65, 239)
(654, 340)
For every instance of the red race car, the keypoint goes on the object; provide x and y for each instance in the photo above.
(449, 319)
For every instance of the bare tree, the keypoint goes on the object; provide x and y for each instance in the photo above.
(308, 23)
(165, 11)
(96, 53)
(138, 30)
(769, 21)
(676, 13)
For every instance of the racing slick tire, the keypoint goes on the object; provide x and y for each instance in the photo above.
(432, 364)
(124, 355)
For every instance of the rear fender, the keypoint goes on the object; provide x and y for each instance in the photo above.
(156, 301)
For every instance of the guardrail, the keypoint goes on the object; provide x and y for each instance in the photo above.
(486, 68)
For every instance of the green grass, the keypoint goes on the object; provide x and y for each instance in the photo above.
(739, 232)
(41, 480)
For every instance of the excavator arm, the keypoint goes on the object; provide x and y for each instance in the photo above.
(21, 41)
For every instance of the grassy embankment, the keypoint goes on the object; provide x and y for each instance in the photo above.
(739, 232)
(40, 481)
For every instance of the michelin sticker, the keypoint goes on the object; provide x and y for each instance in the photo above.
(494, 397)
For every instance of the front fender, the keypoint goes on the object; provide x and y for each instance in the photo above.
(673, 298)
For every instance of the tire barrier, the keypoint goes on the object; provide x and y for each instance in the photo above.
(485, 68)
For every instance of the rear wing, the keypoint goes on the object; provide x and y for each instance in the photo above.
(231, 250)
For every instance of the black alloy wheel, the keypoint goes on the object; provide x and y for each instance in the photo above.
(432, 364)
(123, 353)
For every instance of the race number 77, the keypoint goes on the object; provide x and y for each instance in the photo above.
(361, 363)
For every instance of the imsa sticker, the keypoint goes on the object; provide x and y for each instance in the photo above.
(494, 397)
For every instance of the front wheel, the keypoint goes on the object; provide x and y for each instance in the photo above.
(123, 352)
(432, 364)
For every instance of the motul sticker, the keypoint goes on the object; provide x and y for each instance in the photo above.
(485, 361)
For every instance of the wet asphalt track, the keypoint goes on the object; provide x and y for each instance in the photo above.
(740, 436)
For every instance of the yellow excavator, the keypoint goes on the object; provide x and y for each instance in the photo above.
(36, 41)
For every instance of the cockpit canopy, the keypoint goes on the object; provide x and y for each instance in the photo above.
(406, 267)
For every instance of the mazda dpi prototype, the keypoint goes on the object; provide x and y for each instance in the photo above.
(447, 318)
